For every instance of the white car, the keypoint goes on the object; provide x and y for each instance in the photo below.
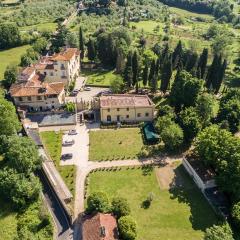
(87, 89)
(68, 143)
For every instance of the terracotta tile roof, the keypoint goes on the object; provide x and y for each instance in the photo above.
(100, 227)
(125, 100)
(26, 73)
(27, 90)
(66, 54)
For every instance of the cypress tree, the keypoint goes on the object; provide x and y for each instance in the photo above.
(91, 50)
(166, 74)
(177, 55)
(120, 61)
(81, 43)
(151, 73)
(191, 63)
(128, 73)
(212, 72)
(164, 54)
(221, 76)
(202, 64)
(154, 83)
(215, 79)
(145, 75)
(135, 67)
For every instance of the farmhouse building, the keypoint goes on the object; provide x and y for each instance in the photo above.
(126, 108)
(99, 227)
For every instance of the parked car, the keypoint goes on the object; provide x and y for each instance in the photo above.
(66, 156)
(72, 132)
(68, 142)
(87, 89)
(74, 92)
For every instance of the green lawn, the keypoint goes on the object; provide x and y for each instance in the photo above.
(115, 144)
(8, 221)
(53, 144)
(178, 214)
(101, 78)
(50, 26)
(11, 56)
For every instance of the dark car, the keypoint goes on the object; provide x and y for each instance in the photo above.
(72, 132)
(66, 156)
(68, 143)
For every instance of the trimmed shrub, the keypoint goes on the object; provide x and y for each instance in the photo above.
(127, 228)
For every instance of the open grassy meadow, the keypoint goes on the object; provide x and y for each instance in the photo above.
(180, 213)
(53, 144)
(48, 26)
(11, 56)
(115, 144)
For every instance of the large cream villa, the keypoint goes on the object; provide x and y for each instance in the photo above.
(126, 108)
(41, 86)
(63, 66)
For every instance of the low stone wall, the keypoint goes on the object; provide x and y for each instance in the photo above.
(202, 185)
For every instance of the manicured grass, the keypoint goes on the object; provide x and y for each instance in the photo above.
(11, 56)
(115, 144)
(53, 144)
(8, 221)
(178, 214)
(101, 78)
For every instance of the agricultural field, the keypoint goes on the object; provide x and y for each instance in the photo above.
(178, 210)
(125, 144)
(11, 56)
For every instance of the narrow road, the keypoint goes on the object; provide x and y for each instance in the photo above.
(63, 229)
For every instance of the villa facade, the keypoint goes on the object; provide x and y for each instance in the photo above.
(126, 108)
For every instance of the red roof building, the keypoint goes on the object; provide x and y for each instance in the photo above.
(99, 227)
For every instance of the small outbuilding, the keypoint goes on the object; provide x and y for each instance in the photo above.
(150, 134)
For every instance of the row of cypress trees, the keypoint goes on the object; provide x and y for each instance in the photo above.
(168, 61)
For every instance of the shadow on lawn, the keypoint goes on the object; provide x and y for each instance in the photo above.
(185, 191)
